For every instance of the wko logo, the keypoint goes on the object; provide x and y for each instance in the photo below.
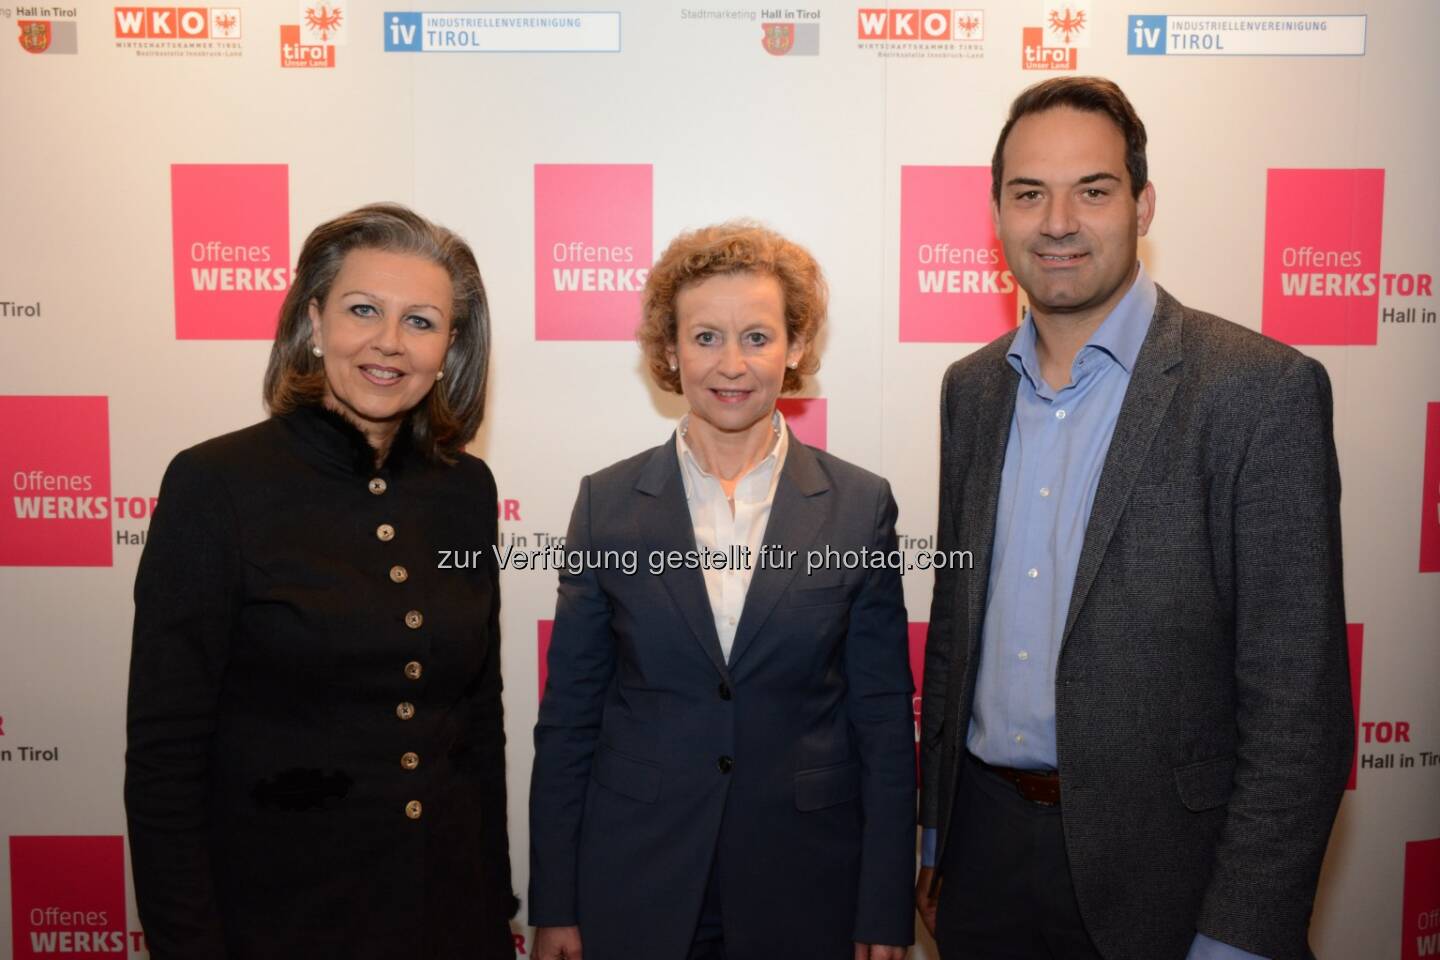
(67, 897)
(920, 25)
(593, 242)
(1323, 279)
(55, 470)
(955, 286)
(177, 23)
(1430, 496)
(231, 236)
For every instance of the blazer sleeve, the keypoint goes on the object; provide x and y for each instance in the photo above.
(938, 638)
(580, 666)
(489, 717)
(187, 600)
(877, 671)
(1294, 718)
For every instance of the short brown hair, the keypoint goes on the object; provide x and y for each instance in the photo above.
(1092, 95)
(737, 246)
(442, 424)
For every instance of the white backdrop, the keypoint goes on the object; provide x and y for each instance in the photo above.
(813, 145)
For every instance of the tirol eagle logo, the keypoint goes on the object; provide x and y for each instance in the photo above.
(779, 38)
(35, 35)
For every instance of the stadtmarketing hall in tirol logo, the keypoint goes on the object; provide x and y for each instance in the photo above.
(1325, 283)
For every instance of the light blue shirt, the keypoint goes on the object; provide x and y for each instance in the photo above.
(1057, 447)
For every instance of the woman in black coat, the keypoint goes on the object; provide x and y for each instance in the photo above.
(316, 745)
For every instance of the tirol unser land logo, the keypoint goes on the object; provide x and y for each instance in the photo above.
(312, 41)
(1064, 27)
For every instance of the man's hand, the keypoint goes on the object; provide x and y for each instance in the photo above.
(874, 951)
(924, 902)
(557, 943)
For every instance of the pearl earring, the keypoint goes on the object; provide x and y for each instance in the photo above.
(439, 374)
(793, 365)
(317, 351)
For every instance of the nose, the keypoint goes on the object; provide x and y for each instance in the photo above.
(1059, 219)
(387, 337)
(732, 363)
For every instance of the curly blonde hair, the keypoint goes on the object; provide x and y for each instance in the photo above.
(737, 246)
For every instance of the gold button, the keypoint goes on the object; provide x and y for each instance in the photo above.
(385, 532)
(409, 759)
(377, 486)
(405, 710)
(412, 809)
(399, 574)
(412, 670)
(413, 619)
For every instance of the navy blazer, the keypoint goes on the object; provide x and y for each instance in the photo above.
(794, 760)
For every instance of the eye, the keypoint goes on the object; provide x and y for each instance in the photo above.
(706, 338)
(1096, 193)
(363, 310)
(419, 322)
(757, 338)
(1028, 195)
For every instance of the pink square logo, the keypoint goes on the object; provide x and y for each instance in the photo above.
(543, 629)
(917, 633)
(55, 473)
(593, 229)
(1355, 638)
(806, 417)
(231, 234)
(1430, 496)
(1322, 256)
(1420, 922)
(955, 286)
(67, 897)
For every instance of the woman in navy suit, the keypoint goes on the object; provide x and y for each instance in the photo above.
(725, 751)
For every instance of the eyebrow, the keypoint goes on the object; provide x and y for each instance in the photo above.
(1032, 182)
(367, 293)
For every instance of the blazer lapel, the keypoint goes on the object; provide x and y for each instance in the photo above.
(981, 489)
(1151, 388)
(796, 518)
(664, 524)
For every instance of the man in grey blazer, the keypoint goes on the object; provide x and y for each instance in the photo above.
(1137, 722)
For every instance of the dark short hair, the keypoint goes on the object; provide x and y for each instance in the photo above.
(447, 419)
(1092, 95)
(738, 246)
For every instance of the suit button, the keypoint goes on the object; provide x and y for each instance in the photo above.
(399, 574)
(377, 486)
(413, 809)
(384, 533)
(724, 691)
(413, 619)
(409, 759)
(725, 764)
(405, 710)
(412, 670)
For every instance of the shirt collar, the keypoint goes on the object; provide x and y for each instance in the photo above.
(774, 461)
(1119, 335)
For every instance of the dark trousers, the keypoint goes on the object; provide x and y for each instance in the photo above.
(1006, 892)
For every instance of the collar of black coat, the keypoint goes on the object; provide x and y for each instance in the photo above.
(339, 442)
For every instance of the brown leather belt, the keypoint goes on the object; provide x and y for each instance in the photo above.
(1034, 785)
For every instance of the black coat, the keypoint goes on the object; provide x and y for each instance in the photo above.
(302, 673)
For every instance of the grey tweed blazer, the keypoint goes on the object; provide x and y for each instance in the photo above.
(1202, 697)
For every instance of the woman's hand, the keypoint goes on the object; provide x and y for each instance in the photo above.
(875, 951)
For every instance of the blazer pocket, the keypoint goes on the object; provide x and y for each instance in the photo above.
(816, 596)
(827, 786)
(627, 776)
(1207, 784)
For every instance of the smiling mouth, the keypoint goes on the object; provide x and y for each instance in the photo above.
(381, 376)
(729, 396)
(1060, 257)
